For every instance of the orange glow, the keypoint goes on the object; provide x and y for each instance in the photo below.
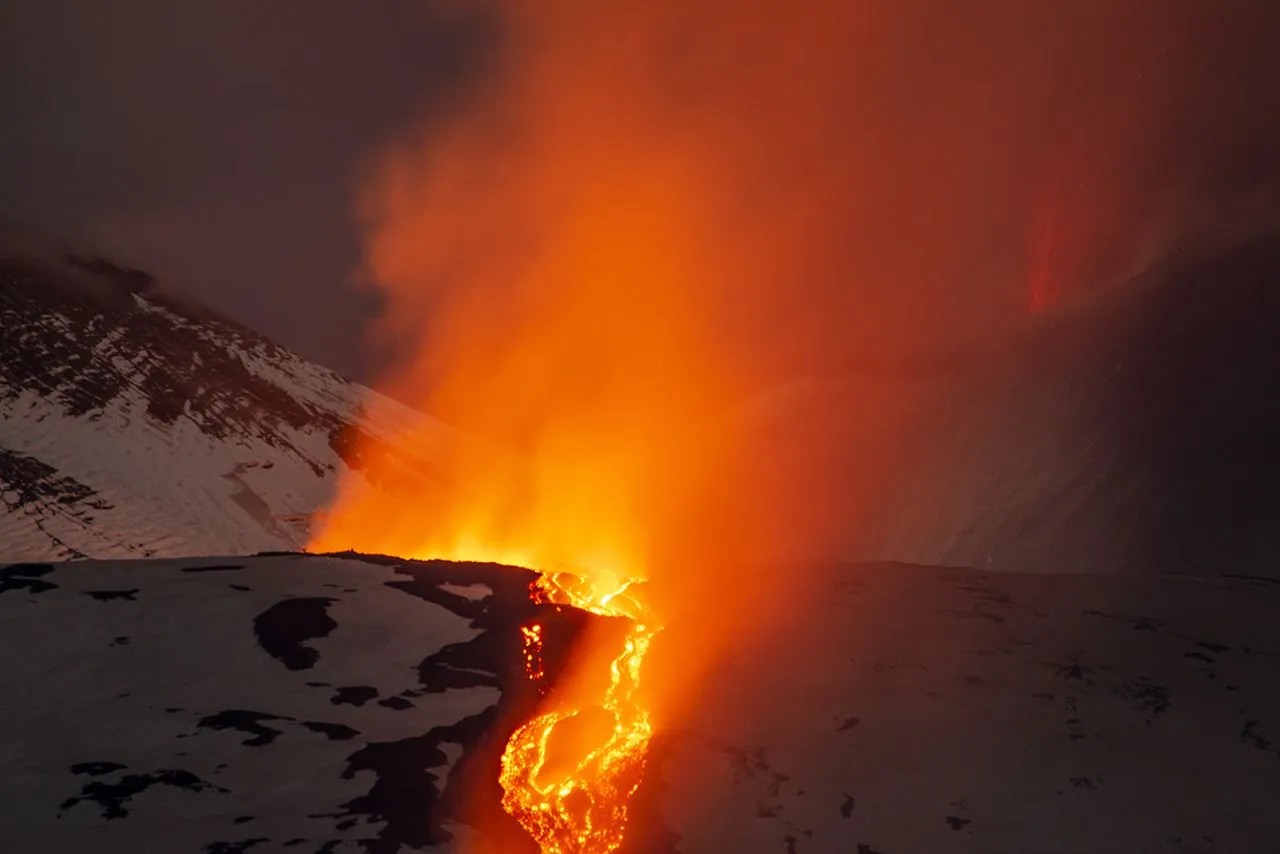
(591, 373)
(641, 223)
(577, 350)
(1044, 286)
(582, 805)
(532, 651)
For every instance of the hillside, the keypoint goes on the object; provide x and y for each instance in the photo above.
(1132, 433)
(134, 423)
(358, 704)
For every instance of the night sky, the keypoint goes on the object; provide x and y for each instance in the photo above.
(214, 142)
(217, 142)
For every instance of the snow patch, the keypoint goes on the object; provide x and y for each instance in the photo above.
(474, 592)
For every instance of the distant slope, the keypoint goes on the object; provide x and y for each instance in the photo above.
(917, 710)
(1137, 432)
(134, 423)
(1139, 435)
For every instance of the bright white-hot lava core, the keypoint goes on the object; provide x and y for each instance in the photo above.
(581, 808)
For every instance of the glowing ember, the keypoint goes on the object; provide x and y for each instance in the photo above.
(582, 809)
(532, 650)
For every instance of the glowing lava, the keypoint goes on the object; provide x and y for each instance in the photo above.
(582, 808)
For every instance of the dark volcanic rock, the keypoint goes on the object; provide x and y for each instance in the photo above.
(355, 695)
(283, 629)
(333, 732)
(26, 576)
(406, 795)
(250, 723)
(113, 798)
(110, 595)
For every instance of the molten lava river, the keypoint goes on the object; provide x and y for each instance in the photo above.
(581, 808)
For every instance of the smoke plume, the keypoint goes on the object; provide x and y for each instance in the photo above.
(653, 222)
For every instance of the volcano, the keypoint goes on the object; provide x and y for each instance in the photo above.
(1057, 634)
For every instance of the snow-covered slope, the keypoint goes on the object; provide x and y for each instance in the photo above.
(199, 705)
(133, 423)
(335, 704)
(918, 710)
(1134, 432)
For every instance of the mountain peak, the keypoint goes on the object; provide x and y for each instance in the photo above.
(139, 423)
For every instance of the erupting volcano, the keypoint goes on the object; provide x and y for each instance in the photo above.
(772, 423)
(562, 313)
(648, 217)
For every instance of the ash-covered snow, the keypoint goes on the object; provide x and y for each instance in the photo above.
(917, 710)
(195, 705)
(357, 704)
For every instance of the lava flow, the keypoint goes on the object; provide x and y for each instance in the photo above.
(582, 809)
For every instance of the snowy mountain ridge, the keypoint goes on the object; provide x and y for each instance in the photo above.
(136, 424)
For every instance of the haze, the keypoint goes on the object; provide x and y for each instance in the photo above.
(217, 143)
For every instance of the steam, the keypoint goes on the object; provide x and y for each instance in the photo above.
(653, 220)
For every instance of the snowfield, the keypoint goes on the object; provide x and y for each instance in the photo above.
(344, 704)
(187, 705)
(923, 709)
